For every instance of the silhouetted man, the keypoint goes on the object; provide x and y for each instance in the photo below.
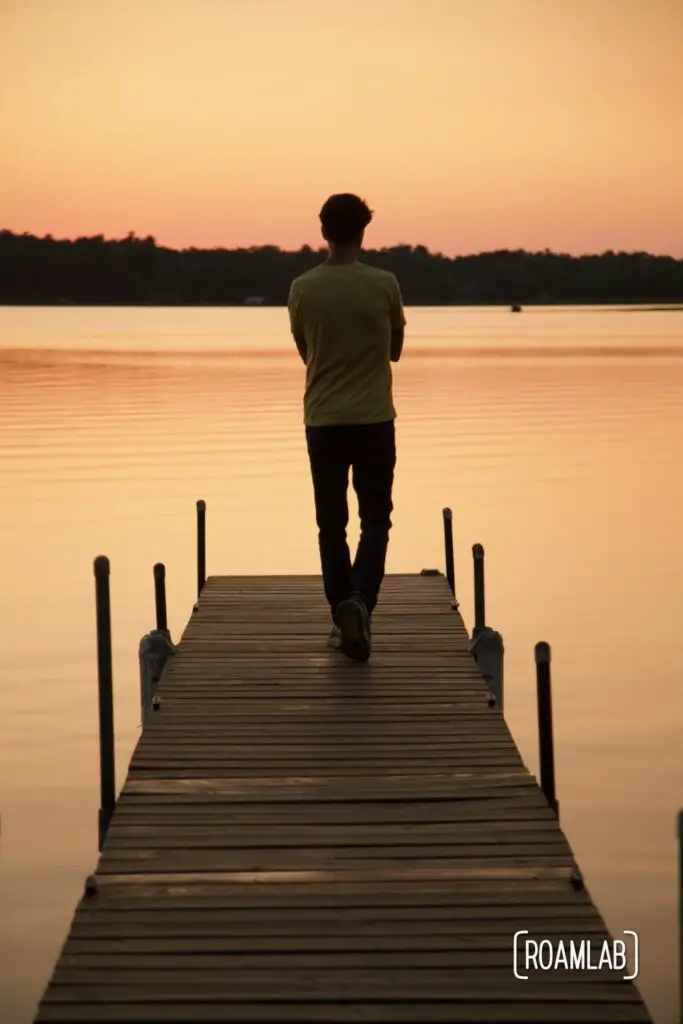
(348, 323)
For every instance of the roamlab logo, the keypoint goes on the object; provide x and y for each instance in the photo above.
(533, 955)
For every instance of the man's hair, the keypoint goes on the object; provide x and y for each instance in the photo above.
(344, 217)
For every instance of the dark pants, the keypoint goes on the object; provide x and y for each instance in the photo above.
(369, 450)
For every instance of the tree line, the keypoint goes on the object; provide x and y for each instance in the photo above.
(133, 270)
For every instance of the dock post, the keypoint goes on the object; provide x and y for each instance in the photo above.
(479, 599)
(106, 698)
(545, 725)
(201, 547)
(160, 596)
(448, 543)
(680, 914)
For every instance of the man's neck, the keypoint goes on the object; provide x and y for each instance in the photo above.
(343, 254)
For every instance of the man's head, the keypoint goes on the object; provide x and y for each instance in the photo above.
(343, 219)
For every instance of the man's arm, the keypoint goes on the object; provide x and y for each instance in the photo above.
(398, 321)
(293, 306)
(300, 342)
(397, 335)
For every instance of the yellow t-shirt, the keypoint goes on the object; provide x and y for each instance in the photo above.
(346, 313)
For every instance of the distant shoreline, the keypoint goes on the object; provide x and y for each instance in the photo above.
(137, 272)
(592, 305)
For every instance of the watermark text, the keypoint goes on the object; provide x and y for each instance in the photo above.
(541, 954)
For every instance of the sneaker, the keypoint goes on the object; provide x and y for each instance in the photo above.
(334, 638)
(354, 622)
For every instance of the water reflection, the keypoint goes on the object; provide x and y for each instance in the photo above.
(557, 440)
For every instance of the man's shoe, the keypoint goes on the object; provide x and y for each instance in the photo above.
(354, 622)
(334, 638)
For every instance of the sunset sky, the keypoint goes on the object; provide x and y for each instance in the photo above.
(466, 124)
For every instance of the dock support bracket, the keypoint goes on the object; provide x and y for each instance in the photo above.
(488, 650)
(154, 651)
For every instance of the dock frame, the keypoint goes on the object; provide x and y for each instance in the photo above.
(302, 838)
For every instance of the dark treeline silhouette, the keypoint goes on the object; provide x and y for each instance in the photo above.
(131, 271)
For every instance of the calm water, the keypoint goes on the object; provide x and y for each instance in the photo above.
(556, 436)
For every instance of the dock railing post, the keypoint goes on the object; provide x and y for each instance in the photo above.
(155, 648)
(479, 598)
(545, 725)
(201, 547)
(448, 544)
(680, 914)
(160, 596)
(106, 698)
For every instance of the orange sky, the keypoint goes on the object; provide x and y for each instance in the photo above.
(466, 124)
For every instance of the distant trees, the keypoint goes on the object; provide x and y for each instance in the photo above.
(132, 270)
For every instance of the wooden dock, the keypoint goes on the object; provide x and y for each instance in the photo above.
(301, 838)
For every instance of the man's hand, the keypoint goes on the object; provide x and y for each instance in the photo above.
(295, 322)
(397, 335)
(300, 342)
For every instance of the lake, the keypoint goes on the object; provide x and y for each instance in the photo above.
(556, 435)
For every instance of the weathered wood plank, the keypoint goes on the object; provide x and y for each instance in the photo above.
(237, 976)
(310, 715)
(317, 788)
(375, 1012)
(229, 817)
(191, 859)
(348, 928)
(305, 835)
(366, 985)
(441, 950)
(517, 897)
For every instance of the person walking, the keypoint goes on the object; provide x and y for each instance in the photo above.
(348, 325)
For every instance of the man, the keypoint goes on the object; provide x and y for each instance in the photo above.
(348, 324)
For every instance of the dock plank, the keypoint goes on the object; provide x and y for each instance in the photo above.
(301, 838)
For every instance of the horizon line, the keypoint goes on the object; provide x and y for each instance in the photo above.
(305, 247)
